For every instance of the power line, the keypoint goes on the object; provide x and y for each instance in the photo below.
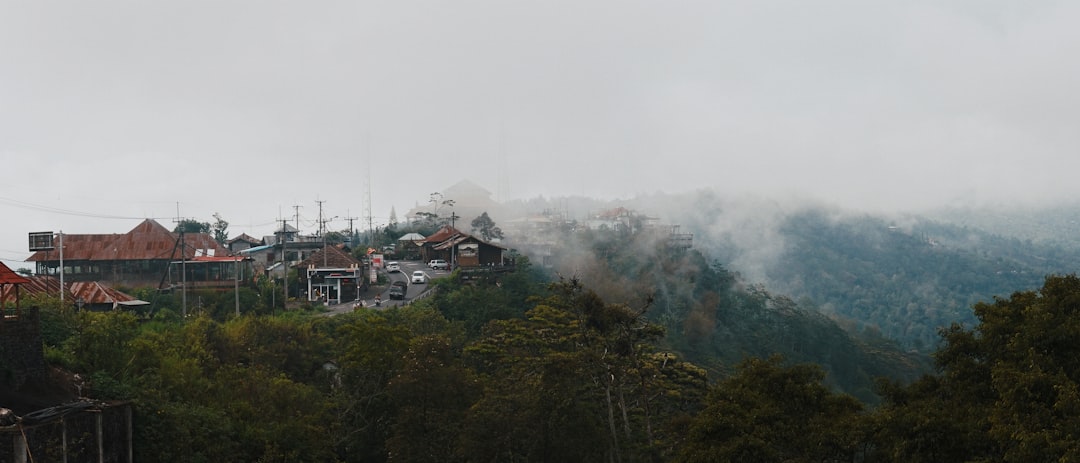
(56, 210)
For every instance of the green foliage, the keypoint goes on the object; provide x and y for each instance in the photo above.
(578, 372)
(220, 229)
(192, 226)
(716, 319)
(486, 227)
(597, 368)
(1007, 389)
(905, 282)
(768, 412)
(433, 391)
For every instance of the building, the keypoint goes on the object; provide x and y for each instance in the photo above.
(138, 258)
(408, 246)
(461, 249)
(242, 242)
(332, 276)
(460, 203)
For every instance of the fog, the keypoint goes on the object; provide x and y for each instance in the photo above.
(115, 111)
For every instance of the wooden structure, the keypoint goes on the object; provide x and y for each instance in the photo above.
(12, 280)
(333, 276)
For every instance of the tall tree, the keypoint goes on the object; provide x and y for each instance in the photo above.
(192, 226)
(1009, 388)
(768, 412)
(578, 372)
(486, 227)
(220, 229)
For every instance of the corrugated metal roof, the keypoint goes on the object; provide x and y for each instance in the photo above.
(458, 239)
(335, 258)
(254, 249)
(9, 277)
(444, 233)
(92, 292)
(36, 285)
(215, 259)
(245, 238)
(147, 241)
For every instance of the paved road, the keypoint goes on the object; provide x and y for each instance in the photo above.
(413, 291)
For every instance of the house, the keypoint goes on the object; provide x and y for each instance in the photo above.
(242, 242)
(91, 295)
(332, 276)
(208, 271)
(461, 249)
(140, 257)
(83, 295)
(408, 246)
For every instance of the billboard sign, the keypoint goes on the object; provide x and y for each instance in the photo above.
(41, 241)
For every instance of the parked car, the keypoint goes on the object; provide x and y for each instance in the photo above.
(392, 267)
(398, 289)
(438, 264)
(419, 277)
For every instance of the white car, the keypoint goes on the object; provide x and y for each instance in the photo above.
(419, 277)
(392, 267)
(438, 264)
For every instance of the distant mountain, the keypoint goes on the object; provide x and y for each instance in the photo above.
(901, 276)
(904, 277)
(716, 318)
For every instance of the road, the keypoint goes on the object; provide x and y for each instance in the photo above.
(413, 291)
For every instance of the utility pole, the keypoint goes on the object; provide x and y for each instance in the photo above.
(352, 232)
(367, 208)
(183, 261)
(61, 267)
(322, 223)
(296, 216)
(236, 284)
(284, 264)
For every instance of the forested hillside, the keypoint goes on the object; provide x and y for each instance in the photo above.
(670, 358)
(716, 319)
(905, 280)
(903, 276)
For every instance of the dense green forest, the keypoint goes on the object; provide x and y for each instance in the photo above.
(648, 353)
(903, 276)
(905, 281)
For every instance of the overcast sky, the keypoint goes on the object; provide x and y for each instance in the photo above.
(111, 111)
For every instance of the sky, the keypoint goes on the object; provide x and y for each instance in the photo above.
(115, 111)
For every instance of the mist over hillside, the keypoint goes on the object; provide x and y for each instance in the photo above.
(901, 275)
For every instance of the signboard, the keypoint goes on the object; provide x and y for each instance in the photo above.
(377, 260)
(468, 250)
(41, 241)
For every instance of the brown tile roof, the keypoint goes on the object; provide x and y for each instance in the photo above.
(147, 241)
(335, 258)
